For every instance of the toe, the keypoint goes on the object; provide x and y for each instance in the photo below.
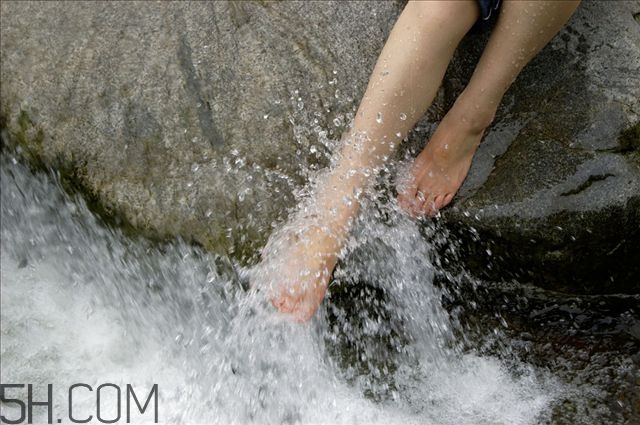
(410, 205)
(417, 208)
(429, 207)
(447, 199)
(406, 196)
(438, 202)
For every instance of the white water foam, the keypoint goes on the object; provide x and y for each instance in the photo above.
(82, 303)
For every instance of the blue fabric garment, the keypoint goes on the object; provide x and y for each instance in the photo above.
(488, 8)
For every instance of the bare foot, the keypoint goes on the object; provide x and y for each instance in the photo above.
(439, 170)
(304, 261)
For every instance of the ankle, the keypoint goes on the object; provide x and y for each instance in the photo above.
(474, 115)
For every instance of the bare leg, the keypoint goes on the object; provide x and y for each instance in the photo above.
(522, 30)
(401, 88)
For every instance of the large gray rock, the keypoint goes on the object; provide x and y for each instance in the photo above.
(191, 119)
(200, 120)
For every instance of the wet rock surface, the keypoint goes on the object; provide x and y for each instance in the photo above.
(201, 120)
(193, 120)
(591, 343)
(554, 191)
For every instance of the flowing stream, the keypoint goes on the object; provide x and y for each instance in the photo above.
(82, 303)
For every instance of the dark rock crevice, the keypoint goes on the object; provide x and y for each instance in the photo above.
(194, 87)
(584, 186)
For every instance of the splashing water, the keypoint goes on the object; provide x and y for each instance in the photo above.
(83, 303)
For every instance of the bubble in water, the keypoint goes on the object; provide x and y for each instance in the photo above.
(195, 167)
(337, 121)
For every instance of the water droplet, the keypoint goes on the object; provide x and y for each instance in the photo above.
(403, 116)
(265, 116)
(399, 135)
(194, 167)
(337, 121)
(379, 118)
(313, 149)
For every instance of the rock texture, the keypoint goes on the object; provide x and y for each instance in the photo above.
(554, 193)
(192, 119)
(200, 120)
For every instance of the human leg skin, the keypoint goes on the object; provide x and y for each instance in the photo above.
(522, 30)
(403, 84)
